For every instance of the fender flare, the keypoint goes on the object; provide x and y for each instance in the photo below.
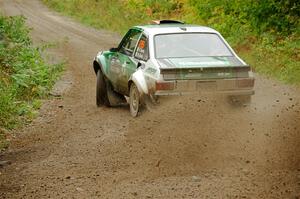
(99, 63)
(97, 66)
(139, 80)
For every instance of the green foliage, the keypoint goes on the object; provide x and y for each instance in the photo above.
(24, 76)
(8, 108)
(268, 15)
(116, 15)
(268, 31)
(277, 57)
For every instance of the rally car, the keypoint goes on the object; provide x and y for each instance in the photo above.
(169, 58)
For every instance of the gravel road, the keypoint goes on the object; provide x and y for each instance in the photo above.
(188, 147)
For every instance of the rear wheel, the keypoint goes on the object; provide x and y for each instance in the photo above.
(134, 100)
(101, 92)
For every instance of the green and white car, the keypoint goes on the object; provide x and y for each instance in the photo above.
(169, 58)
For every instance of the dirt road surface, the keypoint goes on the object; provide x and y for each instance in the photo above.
(189, 147)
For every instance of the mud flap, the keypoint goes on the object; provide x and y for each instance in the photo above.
(151, 102)
(114, 98)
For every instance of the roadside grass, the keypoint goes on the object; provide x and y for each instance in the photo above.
(25, 78)
(276, 57)
(269, 52)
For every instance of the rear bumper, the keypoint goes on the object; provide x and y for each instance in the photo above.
(222, 86)
(228, 92)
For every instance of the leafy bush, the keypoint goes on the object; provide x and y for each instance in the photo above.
(268, 30)
(268, 15)
(24, 75)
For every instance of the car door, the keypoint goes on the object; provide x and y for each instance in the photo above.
(122, 62)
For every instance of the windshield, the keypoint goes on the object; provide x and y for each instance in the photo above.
(190, 45)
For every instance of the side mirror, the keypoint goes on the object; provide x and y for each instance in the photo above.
(113, 49)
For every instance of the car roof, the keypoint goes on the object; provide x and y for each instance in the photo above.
(174, 28)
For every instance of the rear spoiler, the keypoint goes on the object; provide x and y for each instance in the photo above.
(165, 21)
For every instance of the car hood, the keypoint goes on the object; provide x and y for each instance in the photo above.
(199, 62)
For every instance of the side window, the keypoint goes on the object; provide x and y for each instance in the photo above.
(127, 47)
(142, 51)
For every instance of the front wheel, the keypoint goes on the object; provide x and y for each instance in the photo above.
(134, 100)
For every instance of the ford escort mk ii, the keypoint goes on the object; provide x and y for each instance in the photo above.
(169, 58)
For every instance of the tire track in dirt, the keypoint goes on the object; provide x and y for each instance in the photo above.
(188, 147)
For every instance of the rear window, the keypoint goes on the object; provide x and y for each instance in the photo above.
(190, 45)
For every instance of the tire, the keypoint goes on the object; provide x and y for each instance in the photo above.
(101, 92)
(134, 100)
